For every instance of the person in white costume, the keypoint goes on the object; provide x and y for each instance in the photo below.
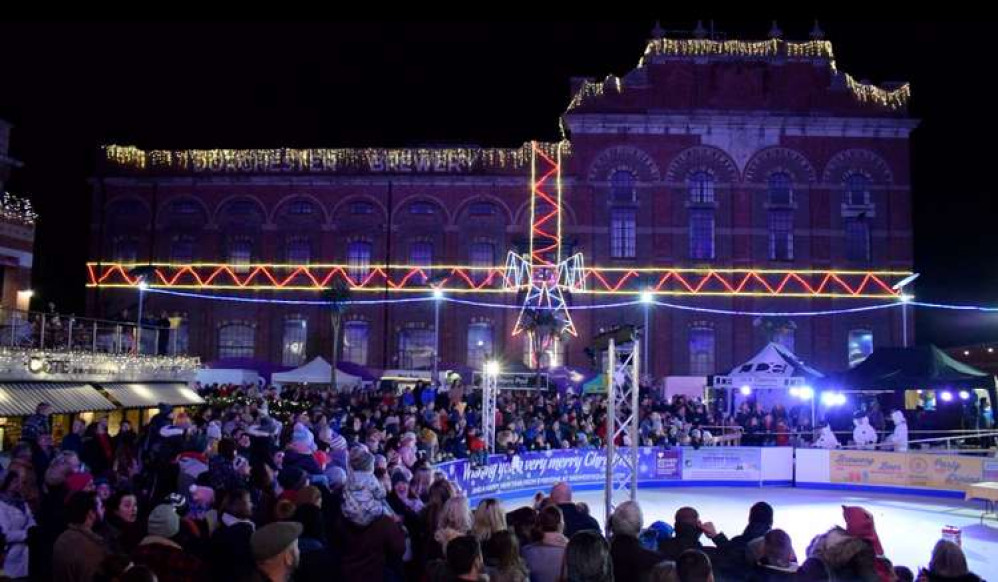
(826, 439)
(863, 435)
(898, 440)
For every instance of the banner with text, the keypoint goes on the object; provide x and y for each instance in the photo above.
(905, 469)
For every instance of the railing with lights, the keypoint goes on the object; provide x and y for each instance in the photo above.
(54, 331)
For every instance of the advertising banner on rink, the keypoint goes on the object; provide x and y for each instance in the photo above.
(722, 464)
(905, 469)
(538, 471)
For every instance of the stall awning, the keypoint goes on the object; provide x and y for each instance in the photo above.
(151, 394)
(21, 398)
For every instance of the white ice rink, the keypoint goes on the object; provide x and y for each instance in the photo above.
(908, 525)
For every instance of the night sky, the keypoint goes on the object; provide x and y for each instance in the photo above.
(69, 88)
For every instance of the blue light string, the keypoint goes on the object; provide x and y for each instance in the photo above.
(676, 306)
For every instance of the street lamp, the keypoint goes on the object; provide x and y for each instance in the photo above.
(138, 323)
(438, 297)
(647, 298)
(905, 298)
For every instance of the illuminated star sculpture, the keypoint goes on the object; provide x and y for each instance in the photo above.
(541, 274)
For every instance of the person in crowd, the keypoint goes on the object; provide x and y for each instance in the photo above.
(160, 553)
(231, 553)
(688, 529)
(630, 560)
(122, 530)
(490, 519)
(744, 550)
(546, 555)
(506, 565)
(948, 564)
(364, 497)
(16, 521)
(694, 566)
(778, 562)
(575, 520)
(79, 551)
(275, 551)
(587, 558)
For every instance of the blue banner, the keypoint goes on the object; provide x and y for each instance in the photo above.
(538, 471)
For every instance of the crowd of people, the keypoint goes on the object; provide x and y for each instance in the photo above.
(312, 484)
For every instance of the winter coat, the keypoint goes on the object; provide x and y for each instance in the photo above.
(77, 555)
(15, 521)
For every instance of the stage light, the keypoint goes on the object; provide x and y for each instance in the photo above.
(492, 368)
(964, 395)
(647, 297)
(833, 399)
(805, 393)
(745, 390)
(438, 293)
(946, 396)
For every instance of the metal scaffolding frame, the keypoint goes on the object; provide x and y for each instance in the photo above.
(623, 389)
(490, 390)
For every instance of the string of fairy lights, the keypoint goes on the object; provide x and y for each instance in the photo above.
(760, 49)
(327, 160)
(16, 209)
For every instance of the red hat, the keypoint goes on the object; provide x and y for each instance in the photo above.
(78, 482)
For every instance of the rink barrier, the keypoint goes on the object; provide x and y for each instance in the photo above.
(871, 471)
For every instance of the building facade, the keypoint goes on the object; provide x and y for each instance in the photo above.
(708, 155)
(17, 234)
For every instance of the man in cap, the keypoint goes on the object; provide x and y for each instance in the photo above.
(275, 551)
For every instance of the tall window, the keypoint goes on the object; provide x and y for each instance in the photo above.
(479, 344)
(857, 232)
(421, 255)
(180, 342)
(481, 254)
(622, 186)
(860, 345)
(622, 233)
(781, 235)
(240, 253)
(701, 233)
(299, 251)
(857, 190)
(182, 249)
(236, 340)
(355, 339)
(125, 249)
(780, 189)
(295, 336)
(701, 350)
(359, 259)
(701, 187)
(416, 349)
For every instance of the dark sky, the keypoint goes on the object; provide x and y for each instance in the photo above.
(68, 88)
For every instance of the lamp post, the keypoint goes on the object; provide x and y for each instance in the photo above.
(647, 298)
(905, 298)
(438, 297)
(138, 322)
